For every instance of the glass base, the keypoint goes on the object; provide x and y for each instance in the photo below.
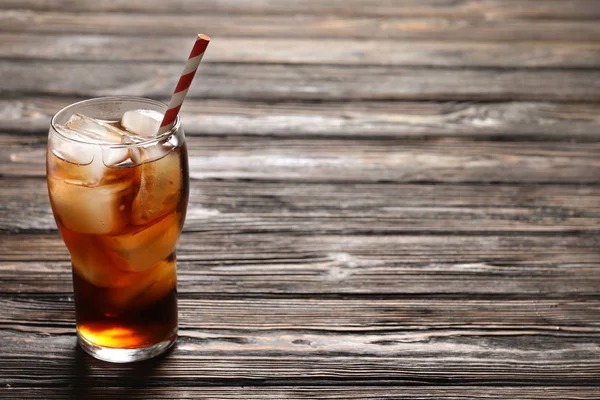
(115, 355)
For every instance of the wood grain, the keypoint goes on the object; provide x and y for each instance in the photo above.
(250, 392)
(388, 338)
(488, 356)
(213, 264)
(409, 318)
(515, 121)
(488, 9)
(299, 26)
(354, 161)
(306, 208)
(294, 82)
(391, 199)
(304, 51)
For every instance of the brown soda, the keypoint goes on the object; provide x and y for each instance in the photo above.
(121, 232)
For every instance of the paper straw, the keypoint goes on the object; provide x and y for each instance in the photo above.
(184, 83)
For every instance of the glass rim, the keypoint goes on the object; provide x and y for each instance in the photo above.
(104, 99)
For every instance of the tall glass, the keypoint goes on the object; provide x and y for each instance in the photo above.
(120, 209)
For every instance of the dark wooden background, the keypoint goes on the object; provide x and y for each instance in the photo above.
(389, 199)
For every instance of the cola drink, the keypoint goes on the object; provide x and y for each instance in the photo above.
(119, 197)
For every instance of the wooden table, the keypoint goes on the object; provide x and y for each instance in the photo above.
(389, 199)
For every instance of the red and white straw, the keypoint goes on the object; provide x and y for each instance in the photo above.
(184, 83)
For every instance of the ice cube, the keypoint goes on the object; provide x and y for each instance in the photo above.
(73, 145)
(144, 123)
(101, 209)
(144, 248)
(102, 132)
(154, 151)
(149, 287)
(99, 130)
(160, 189)
(75, 162)
(81, 147)
(94, 263)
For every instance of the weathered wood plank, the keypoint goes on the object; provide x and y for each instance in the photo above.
(299, 26)
(216, 264)
(294, 82)
(438, 160)
(344, 209)
(488, 356)
(516, 121)
(491, 348)
(348, 316)
(339, 160)
(286, 281)
(302, 51)
(347, 392)
(487, 9)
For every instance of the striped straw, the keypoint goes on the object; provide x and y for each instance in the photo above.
(184, 83)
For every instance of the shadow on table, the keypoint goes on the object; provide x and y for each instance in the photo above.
(95, 379)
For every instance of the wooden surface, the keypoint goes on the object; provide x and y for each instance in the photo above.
(389, 199)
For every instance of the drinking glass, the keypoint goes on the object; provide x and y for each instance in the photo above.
(120, 208)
